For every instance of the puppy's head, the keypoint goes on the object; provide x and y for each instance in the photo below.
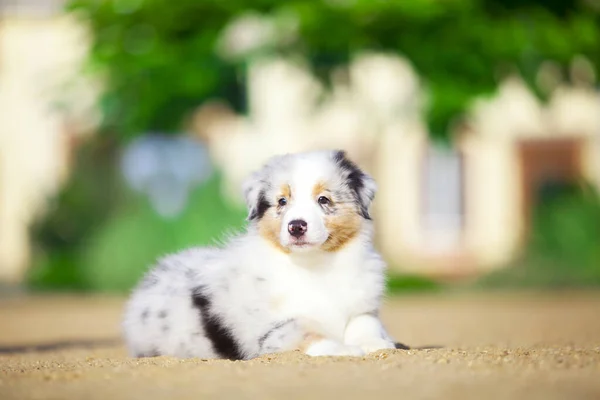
(307, 201)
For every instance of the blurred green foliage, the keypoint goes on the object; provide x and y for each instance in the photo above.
(131, 241)
(114, 255)
(158, 61)
(397, 284)
(99, 235)
(82, 206)
(564, 247)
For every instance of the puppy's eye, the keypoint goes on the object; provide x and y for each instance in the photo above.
(323, 201)
(282, 201)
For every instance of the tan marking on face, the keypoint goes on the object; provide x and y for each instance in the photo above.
(269, 227)
(319, 189)
(286, 191)
(308, 340)
(343, 227)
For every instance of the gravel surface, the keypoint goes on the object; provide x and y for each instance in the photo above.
(495, 346)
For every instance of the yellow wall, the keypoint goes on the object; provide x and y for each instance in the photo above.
(36, 56)
(398, 173)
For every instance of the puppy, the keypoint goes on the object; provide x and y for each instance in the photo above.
(303, 276)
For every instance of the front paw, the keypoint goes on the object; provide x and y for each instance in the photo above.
(376, 345)
(332, 348)
(350, 351)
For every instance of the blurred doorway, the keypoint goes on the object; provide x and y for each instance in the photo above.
(548, 168)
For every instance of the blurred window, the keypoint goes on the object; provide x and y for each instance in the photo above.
(443, 211)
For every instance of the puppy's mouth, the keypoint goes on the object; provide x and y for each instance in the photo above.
(300, 244)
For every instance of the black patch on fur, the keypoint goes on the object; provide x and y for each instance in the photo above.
(355, 180)
(162, 314)
(273, 329)
(223, 341)
(165, 328)
(262, 205)
(145, 314)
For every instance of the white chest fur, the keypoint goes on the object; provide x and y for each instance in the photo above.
(325, 290)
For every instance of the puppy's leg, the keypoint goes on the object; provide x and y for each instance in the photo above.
(316, 345)
(281, 336)
(367, 332)
(288, 335)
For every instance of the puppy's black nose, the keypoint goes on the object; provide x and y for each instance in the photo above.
(297, 228)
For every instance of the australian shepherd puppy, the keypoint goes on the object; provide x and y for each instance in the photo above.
(303, 276)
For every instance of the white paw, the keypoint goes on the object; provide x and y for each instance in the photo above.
(332, 348)
(352, 351)
(376, 345)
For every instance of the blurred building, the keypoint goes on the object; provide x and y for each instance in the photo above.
(515, 151)
(440, 210)
(446, 211)
(40, 105)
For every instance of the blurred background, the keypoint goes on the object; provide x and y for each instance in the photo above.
(126, 127)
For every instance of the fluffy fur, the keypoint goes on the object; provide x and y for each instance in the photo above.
(268, 290)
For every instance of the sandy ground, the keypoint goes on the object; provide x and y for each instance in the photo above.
(494, 347)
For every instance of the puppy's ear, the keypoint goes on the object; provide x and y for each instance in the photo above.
(254, 193)
(362, 184)
(256, 187)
